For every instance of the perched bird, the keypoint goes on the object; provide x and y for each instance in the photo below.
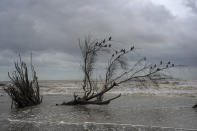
(109, 38)
(168, 62)
(151, 67)
(161, 62)
(104, 41)
(116, 52)
(123, 50)
(155, 65)
(158, 69)
(112, 55)
(166, 66)
(96, 43)
(172, 65)
(109, 45)
(132, 48)
(115, 84)
(145, 58)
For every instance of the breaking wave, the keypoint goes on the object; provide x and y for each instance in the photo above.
(36, 125)
(173, 87)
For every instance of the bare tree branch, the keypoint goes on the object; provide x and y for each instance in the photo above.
(118, 71)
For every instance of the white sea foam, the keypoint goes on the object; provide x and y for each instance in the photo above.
(171, 87)
(101, 126)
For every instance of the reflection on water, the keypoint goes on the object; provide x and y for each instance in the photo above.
(124, 112)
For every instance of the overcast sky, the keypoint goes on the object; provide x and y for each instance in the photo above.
(159, 29)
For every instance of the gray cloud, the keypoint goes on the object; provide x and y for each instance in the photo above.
(51, 30)
(192, 4)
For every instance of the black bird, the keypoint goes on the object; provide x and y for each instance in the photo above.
(155, 65)
(132, 48)
(116, 52)
(166, 66)
(112, 55)
(161, 62)
(172, 65)
(109, 38)
(109, 45)
(169, 62)
(104, 41)
(115, 84)
(96, 43)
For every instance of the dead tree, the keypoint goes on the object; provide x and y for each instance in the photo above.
(117, 72)
(22, 90)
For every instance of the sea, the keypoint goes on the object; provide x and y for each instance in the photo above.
(163, 107)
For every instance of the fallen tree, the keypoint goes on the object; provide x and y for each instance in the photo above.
(23, 91)
(118, 71)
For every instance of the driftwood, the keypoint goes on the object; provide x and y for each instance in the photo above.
(118, 71)
(23, 91)
(84, 102)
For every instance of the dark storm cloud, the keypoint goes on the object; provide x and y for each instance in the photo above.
(192, 4)
(49, 27)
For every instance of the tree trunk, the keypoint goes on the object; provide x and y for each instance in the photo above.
(81, 101)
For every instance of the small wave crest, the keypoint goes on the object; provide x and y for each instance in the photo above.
(171, 88)
(93, 126)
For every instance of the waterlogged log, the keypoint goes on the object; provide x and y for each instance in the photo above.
(80, 101)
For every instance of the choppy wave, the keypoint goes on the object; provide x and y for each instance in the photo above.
(126, 113)
(169, 88)
(93, 126)
(172, 87)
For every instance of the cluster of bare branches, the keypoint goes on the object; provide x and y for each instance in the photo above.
(117, 72)
(23, 90)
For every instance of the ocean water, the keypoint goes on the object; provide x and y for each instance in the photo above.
(167, 107)
(174, 87)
